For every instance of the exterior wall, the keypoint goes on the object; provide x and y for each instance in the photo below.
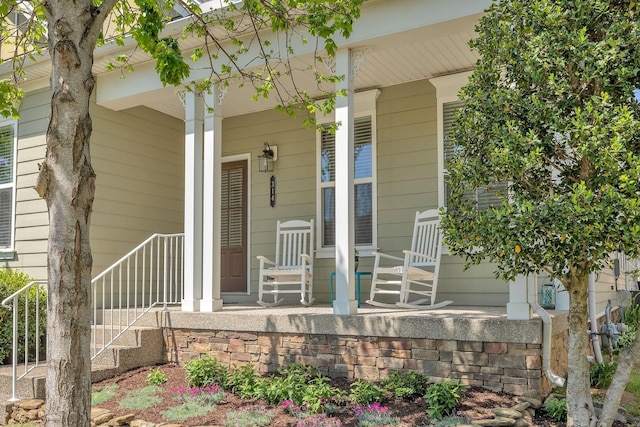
(138, 156)
(32, 220)
(138, 159)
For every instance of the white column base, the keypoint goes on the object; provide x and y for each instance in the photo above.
(190, 305)
(342, 307)
(211, 305)
(519, 311)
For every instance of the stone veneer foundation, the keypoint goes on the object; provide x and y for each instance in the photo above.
(487, 351)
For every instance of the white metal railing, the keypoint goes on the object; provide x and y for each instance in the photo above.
(30, 342)
(630, 268)
(148, 276)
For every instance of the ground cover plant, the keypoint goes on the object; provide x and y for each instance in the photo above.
(339, 410)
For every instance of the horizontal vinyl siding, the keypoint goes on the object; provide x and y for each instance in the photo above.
(32, 219)
(138, 156)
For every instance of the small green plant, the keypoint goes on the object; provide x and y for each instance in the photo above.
(374, 415)
(205, 370)
(245, 382)
(365, 393)
(102, 394)
(602, 374)
(196, 401)
(443, 397)
(406, 385)
(299, 369)
(556, 408)
(318, 392)
(276, 389)
(156, 377)
(142, 398)
(254, 416)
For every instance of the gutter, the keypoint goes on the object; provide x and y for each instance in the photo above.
(546, 336)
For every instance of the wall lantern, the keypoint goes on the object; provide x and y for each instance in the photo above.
(269, 155)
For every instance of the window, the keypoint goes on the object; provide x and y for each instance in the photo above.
(483, 196)
(7, 183)
(364, 178)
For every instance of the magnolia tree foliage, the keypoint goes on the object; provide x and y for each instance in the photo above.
(234, 46)
(551, 123)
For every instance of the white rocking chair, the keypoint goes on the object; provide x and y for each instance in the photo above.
(418, 273)
(292, 271)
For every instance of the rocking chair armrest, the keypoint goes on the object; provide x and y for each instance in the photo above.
(265, 260)
(381, 255)
(421, 255)
(307, 258)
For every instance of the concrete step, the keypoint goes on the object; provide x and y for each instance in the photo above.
(152, 318)
(138, 347)
(31, 385)
(131, 337)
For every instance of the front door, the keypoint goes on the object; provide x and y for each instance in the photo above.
(233, 253)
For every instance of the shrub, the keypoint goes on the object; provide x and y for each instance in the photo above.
(10, 282)
(406, 385)
(556, 408)
(299, 369)
(245, 382)
(365, 393)
(318, 392)
(443, 397)
(205, 371)
(602, 374)
(156, 377)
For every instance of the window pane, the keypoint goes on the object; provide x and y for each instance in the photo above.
(449, 115)
(363, 214)
(6, 154)
(328, 156)
(362, 148)
(6, 212)
(328, 217)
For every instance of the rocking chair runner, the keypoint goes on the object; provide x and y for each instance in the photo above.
(292, 270)
(418, 273)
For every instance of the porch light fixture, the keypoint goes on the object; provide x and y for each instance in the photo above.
(269, 155)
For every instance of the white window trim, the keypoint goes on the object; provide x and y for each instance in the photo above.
(364, 105)
(12, 185)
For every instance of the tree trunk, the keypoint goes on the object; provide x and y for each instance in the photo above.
(66, 182)
(579, 403)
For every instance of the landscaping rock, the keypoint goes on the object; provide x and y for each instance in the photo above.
(30, 404)
(100, 416)
(141, 423)
(507, 413)
(535, 402)
(123, 420)
(498, 421)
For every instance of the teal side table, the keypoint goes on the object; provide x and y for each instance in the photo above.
(359, 275)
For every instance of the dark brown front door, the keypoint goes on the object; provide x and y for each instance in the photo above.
(234, 227)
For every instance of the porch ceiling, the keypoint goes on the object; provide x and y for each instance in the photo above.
(390, 60)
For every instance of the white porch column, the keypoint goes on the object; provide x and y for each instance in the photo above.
(192, 203)
(211, 300)
(345, 302)
(518, 307)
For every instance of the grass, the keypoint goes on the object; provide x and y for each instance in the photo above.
(254, 416)
(103, 394)
(633, 386)
(142, 398)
